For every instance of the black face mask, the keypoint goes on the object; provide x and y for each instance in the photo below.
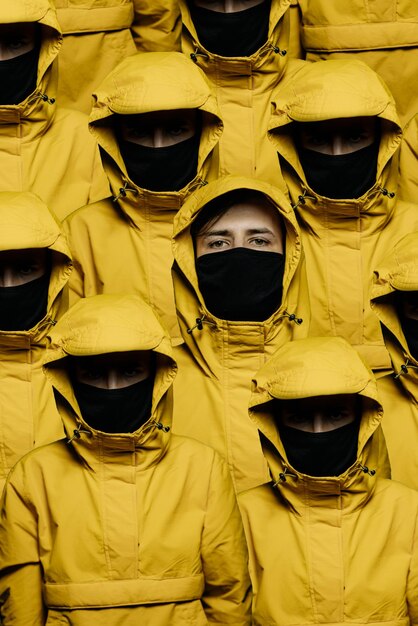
(241, 284)
(238, 34)
(18, 77)
(344, 176)
(121, 410)
(22, 307)
(321, 454)
(410, 330)
(161, 169)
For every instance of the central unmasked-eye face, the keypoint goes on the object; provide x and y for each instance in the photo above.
(112, 370)
(226, 6)
(159, 129)
(16, 39)
(18, 267)
(338, 136)
(319, 413)
(254, 224)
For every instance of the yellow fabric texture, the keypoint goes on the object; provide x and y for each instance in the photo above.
(342, 239)
(136, 221)
(44, 148)
(128, 528)
(345, 548)
(99, 35)
(398, 391)
(408, 155)
(28, 415)
(219, 357)
(243, 87)
(382, 33)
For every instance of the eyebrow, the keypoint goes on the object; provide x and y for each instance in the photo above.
(250, 231)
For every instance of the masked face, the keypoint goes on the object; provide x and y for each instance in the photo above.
(339, 157)
(320, 434)
(231, 28)
(114, 391)
(24, 284)
(160, 149)
(240, 261)
(408, 315)
(19, 53)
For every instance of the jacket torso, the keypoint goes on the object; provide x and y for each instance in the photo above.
(399, 390)
(342, 239)
(347, 546)
(243, 88)
(382, 34)
(28, 414)
(219, 356)
(123, 244)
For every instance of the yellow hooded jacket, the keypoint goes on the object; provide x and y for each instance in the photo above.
(328, 550)
(219, 357)
(243, 87)
(45, 148)
(99, 35)
(342, 239)
(398, 391)
(382, 33)
(123, 244)
(132, 528)
(28, 415)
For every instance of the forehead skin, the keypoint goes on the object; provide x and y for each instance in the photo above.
(328, 412)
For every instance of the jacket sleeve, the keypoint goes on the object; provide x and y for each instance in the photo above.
(412, 587)
(20, 568)
(227, 595)
(157, 26)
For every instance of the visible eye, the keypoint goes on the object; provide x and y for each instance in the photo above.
(259, 242)
(17, 43)
(337, 413)
(217, 243)
(132, 372)
(318, 139)
(137, 132)
(177, 129)
(28, 269)
(91, 374)
(297, 418)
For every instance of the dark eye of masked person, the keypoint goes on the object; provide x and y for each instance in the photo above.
(160, 149)
(239, 251)
(231, 28)
(320, 434)
(19, 54)
(408, 315)
(339, 156)
(114, 391)
(24, 284)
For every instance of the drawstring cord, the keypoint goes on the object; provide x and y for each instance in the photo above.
(45, 98)
(385, 192)
(122, 192)
(302, 199)
(366, 470)
(199, 324)
(77, 433)
(160, 426)
(194, 55)
(292, 318)
(277, 50)
(283, 477)
(404, 369)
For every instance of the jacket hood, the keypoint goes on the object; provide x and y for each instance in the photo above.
(146, 82)
(313, 367)
(193, 315)
(399, 272)
(270, 58)
(26, 222)
(39, 107)
(105, 324)
(313, 92)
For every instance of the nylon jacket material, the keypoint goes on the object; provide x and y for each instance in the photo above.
(398, 391)
(219, 356)
(347, 546)
(137, 221)
(99, 35)
(383, 34)
(342, 239)
(28, 415)
(243, 87)
(46, 148)
(408, 155)
(129, 528)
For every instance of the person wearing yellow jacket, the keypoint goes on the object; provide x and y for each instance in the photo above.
(331, 539)
(382, 34)
(243, 53)
(124, 522)
(35, 265)
(396, 280)
(99, 35)
(235, 308)
(44, 148)
(336, 131)
(123, 244)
